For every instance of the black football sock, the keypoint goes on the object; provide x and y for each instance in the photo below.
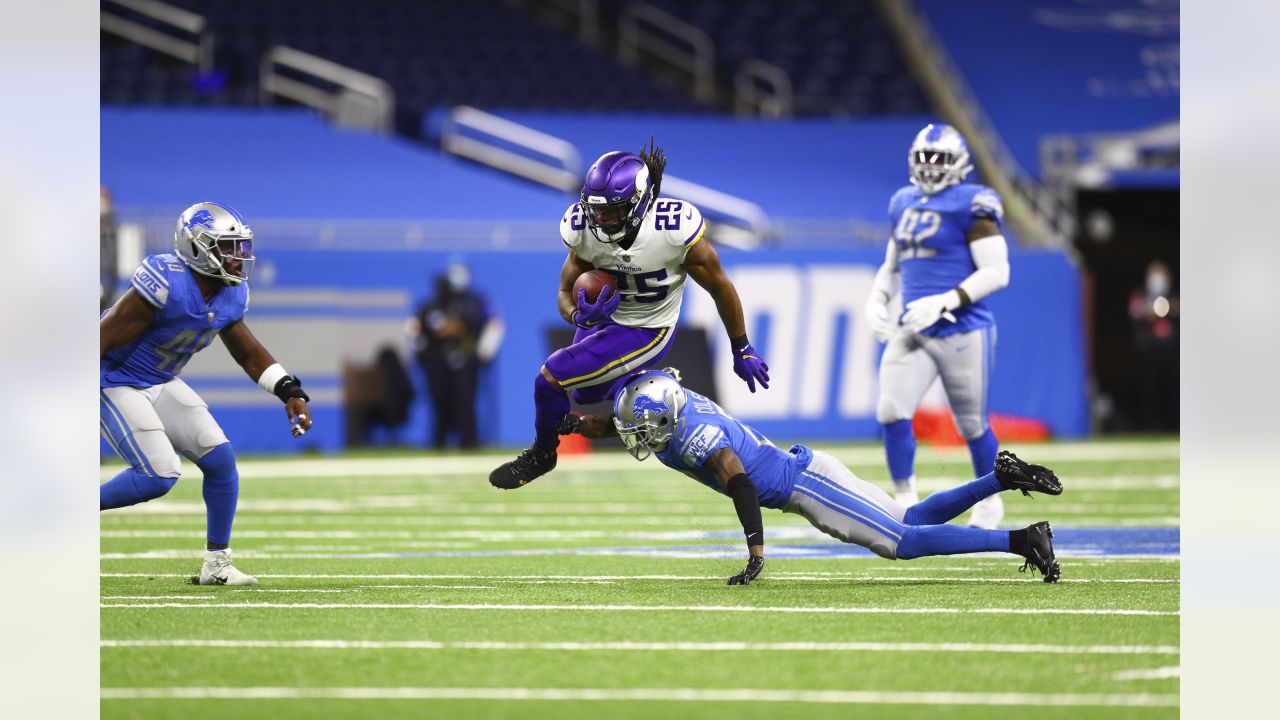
(1018, 542)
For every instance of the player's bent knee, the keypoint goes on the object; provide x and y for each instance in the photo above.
(219, 464)
(169, 467)
(151, 487)
(971, 427)
(887, 411)
(545, 373)
(885, 549)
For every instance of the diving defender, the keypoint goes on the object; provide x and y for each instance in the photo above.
(948, 253)
(687, 432)
(623, 226)
(175, 305)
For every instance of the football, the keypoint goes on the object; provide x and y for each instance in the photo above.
(594, 281)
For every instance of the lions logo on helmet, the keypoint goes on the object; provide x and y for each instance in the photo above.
(939, 158)
(645, 404)
(646, 411)
(212, 239)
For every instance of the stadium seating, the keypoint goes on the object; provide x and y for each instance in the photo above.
(1126, 81)
(493, 55)
(482, 52)
(839, 55)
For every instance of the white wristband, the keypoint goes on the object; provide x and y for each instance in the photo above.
(270, 377)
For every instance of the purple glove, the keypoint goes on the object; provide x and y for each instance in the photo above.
(748, 366)
(589, 314)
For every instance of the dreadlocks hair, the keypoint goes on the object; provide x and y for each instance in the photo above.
(656, 160)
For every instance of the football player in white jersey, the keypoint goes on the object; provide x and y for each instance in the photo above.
(947, 252)
(650, 245)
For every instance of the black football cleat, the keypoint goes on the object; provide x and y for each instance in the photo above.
(1014, 474)
(532, 463)
(1039, 552)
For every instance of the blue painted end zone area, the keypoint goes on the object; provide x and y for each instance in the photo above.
(1067, 542)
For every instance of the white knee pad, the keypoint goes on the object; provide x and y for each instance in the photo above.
(971, 426)
(166, 466)
(888, 411)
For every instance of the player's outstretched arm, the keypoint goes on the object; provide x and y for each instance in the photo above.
(703, 265)
(573, 266)
(124, 322)
(594, 427)
(732, 477)
(270, 376)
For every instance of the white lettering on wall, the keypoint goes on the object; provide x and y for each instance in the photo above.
(804, 305)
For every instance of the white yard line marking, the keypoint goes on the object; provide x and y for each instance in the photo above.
(713, 551)
(651, 694)
(785, 532)
(653, 608)
(1161, 673)
(655, 646)
(614, 579)
(427, 466)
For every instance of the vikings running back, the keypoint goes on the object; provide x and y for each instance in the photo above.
(689, 433)
(175, 306)
(948, 253)
(623, 226)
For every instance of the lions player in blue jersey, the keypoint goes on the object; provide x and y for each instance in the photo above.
(687, 432)
(175, 306)
(948, 253)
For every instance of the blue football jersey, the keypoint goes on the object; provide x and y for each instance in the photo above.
(933, 251)
(704, 428)
(185, 324)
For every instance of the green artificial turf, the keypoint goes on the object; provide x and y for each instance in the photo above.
(598, 595)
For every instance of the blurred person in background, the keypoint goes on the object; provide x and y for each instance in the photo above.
(947, 252)
(1153, 310)
(107, 251)
(456, 334)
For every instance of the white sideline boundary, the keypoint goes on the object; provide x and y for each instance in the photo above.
(1160, 673)
(613, 580)
(653, 646)
(651, 608)
(481, 464)
(642, 694)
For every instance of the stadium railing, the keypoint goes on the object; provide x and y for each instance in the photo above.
(361, 100)
(198, 52)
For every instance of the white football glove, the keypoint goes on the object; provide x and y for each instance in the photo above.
(878, 320)
(923, 313)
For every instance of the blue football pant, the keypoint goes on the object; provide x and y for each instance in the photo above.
(853, 510)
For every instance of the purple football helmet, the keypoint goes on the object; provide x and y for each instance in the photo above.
(616, 195)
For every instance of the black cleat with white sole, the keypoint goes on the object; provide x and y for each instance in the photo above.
(1014, 474)
(532, 463)
(1039, 552)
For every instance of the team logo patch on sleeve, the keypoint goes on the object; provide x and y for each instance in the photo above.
(705, 440)
(151, 285)
(987, 203)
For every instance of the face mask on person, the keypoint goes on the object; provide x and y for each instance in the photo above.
(459, 278)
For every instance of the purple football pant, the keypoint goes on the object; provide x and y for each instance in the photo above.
(592, 368)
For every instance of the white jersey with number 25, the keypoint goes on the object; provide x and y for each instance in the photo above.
(650, 273)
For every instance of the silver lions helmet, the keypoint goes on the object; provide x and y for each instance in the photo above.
(646, 410)
(939, 157)
(213, 240)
